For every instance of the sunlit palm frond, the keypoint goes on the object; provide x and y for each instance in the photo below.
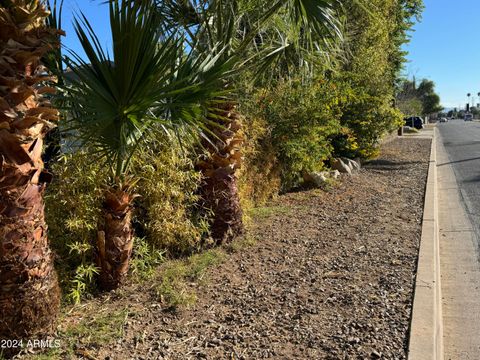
(318, 16)
(149, 80)
(309, 27)
(53, 59)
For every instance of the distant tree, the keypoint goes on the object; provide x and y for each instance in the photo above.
(475, 111)
(375, 31)
(409, 97)
(407, 100)
(431, 104)
(410, 106)
(425, 87)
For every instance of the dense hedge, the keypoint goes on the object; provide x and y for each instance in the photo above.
(300, 118)
(166, 220)
(291, 125)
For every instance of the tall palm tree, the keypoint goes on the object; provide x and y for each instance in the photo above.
(240, 28)
(29, 292)
(53, 61)
(151, 81)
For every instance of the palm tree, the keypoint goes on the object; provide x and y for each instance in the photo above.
(243, 30)
(29, 292)
(151, 81)
(53, 61)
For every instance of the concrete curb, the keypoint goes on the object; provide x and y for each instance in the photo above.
(426, 330)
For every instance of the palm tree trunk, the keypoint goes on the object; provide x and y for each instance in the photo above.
(29, 292)
(115, 240)
(219, 187)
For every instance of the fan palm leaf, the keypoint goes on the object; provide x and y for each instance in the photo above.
(151, 80)
(247, 29)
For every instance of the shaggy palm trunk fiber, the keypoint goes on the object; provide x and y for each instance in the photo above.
(219, 186)
(115, 240)
(29, 292)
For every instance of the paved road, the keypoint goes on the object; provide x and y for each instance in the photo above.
(458, 176)
(462, 143)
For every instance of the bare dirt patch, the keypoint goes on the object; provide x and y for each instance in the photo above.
(326, 275)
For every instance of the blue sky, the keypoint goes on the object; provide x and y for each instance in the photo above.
(445, 46)
(97, 14)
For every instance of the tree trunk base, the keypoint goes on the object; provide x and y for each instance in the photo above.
(220, 194)
(115, 241)
(29, 310)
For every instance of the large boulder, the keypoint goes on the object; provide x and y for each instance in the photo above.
(334, 174)
(340, 165)
(354, 165)
(346, 161)
(316, 178)
(359, 162)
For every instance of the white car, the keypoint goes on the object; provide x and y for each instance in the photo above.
(468, 117)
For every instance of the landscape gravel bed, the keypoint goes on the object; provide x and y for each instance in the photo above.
(329, 276)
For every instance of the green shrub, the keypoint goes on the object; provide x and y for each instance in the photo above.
(345, 143)
(168, 195)
(369, 118)
(145, 259)
(410, 130)
(164, 215)
(174, 289)
(300, 117)
(259, 176)
(72, 207)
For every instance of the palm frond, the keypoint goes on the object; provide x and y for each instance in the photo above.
(150, 80)
(309, 27)
(53, 59)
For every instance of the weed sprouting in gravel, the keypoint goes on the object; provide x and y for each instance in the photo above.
(174, 289)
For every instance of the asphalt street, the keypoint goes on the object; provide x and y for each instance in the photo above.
(462, 143)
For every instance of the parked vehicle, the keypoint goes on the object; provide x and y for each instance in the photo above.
(443, 120)
(468, 117)
(414, 121)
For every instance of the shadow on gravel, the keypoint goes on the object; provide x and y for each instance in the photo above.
(388, 165)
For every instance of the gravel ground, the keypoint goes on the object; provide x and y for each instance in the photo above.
(330, 276)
